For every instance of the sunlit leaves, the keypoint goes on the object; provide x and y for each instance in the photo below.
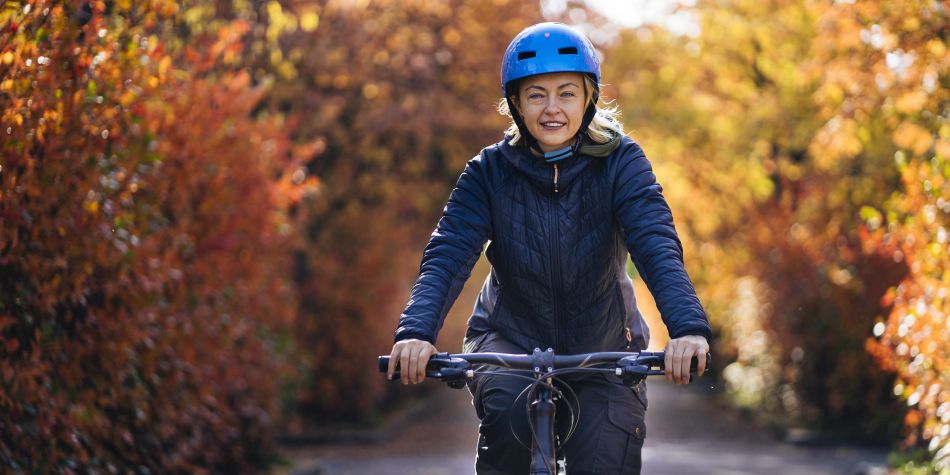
(914, 338)
(896, 76)
(773, 119)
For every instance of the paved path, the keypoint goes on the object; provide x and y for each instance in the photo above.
(687, 433)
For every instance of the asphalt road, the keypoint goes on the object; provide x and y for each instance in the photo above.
(687, 433)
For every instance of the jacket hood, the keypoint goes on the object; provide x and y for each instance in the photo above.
(541, 173)
(601, 150)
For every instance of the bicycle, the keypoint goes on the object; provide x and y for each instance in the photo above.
(544, 367)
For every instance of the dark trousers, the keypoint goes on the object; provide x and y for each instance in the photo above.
(610, 420)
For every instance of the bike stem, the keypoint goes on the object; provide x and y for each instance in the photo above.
(543, 457)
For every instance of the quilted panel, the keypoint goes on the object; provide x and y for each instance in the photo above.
(555, 256)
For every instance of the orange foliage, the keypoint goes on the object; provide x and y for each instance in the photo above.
(887, 69)
(143, 242)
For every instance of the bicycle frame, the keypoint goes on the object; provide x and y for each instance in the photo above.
(456, 369)
(543, 453)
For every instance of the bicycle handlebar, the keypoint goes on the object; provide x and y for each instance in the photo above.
(542, 390)
(458, 367)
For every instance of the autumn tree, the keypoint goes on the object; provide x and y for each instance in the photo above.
(734, 118)
(886, 76)
(144, 295)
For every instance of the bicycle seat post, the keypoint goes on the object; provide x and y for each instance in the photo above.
(543, 459)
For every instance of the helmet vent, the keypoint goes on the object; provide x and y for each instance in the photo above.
(568, 50)
(528, 54)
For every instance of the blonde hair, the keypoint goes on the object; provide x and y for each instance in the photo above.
(603, 127)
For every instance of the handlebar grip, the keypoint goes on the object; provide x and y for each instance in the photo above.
(384, 367)
(436, 369)
(435, 361)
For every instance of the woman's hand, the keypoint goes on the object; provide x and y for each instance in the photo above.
(413, 356)
(679, 355)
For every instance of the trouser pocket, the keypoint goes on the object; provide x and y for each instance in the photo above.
(619, 451)
(610, 431)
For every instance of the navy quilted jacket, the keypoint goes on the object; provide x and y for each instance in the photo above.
(559, 244)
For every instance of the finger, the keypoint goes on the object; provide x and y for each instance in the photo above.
(410, 371)
(421, 365)
(701, 363)
(691, 353)
(688, 355)
(404, 365)
(414, 365)
(424, 356)
(681, 362)
(393, 359)
(668, 361)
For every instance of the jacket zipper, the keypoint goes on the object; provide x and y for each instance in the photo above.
(557, 261)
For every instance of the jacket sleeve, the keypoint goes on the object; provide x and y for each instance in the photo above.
(647, 225)
(447, 261)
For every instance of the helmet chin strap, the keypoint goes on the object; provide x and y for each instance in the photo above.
(561, 154)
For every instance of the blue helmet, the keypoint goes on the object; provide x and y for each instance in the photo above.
(548, 48)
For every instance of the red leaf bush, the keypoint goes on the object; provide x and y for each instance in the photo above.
(144, 246)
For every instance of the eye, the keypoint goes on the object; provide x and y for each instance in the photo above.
(535, 95)
(568, 94)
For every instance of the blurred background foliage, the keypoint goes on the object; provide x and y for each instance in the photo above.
(211, 212)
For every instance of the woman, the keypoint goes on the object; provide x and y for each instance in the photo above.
(563, 199)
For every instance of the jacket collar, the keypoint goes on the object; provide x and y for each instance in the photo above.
(542, 174)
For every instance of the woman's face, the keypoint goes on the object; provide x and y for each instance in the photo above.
(552, 106)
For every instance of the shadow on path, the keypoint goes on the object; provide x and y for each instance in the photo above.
(687, 432)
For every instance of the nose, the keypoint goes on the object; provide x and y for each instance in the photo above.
(551, 106)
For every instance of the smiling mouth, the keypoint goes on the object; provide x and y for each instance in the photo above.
(552, 125)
